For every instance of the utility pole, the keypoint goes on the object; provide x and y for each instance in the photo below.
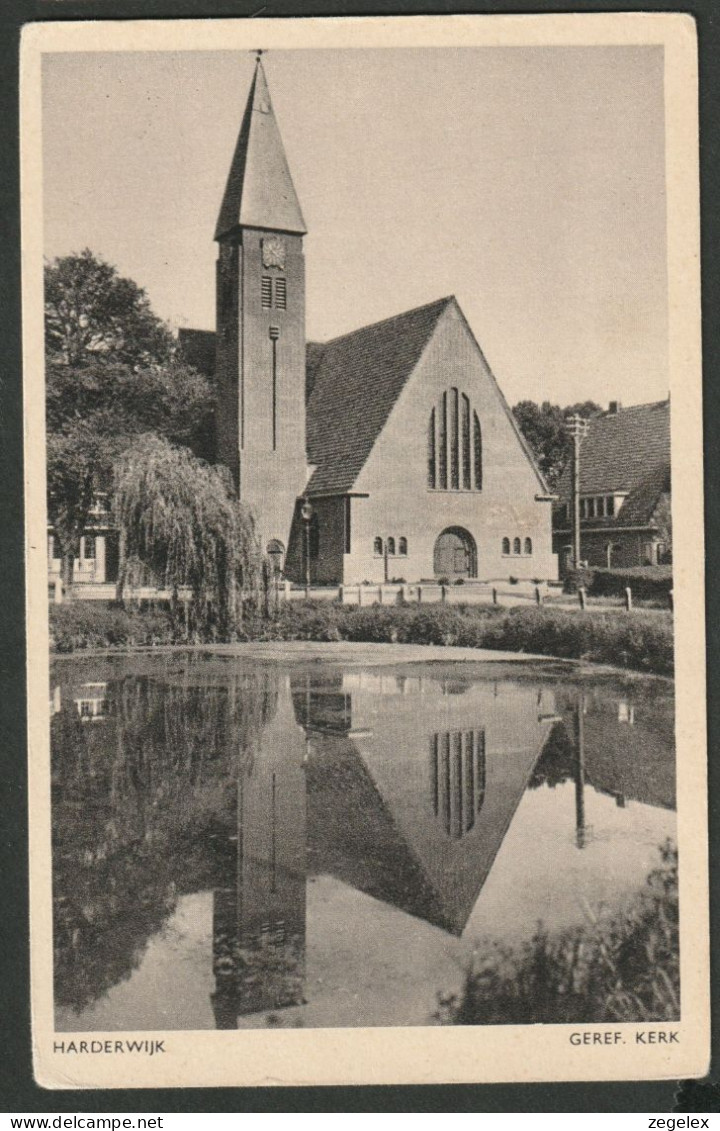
(577, 428)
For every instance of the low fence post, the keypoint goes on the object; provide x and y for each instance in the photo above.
(494, 596)
(360, 593)
(341, 594)
(402, 595)
(443, 594)
(419, 592)
(538, 595)
(380, 594)
(628, 599)
(582, 596)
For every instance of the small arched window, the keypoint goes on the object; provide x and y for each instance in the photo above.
(528, 545)
(402, 546)
(391, 545)
(378, 546)
(516, 545)
(506, 545)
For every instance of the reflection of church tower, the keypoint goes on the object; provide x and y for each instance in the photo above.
(260, 360)
(259, 925)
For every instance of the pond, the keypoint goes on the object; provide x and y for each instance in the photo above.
(245, 844)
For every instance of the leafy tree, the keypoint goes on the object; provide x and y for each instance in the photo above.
(179, 519)
(91, 311)
(111, 374)
(543, 426)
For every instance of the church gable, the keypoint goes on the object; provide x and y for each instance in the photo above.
(451, 429)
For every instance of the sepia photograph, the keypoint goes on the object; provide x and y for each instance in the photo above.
(357, 359)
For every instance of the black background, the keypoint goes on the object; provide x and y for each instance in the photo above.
(18, 1091)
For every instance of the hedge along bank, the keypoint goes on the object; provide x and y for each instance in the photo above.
(643, 642)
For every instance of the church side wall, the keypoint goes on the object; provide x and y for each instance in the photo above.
(395, 477)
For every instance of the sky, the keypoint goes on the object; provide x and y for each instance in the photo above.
(527, 181)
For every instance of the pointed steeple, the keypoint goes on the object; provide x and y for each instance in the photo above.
(259, 191)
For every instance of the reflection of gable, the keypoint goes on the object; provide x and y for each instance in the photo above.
(381, 833)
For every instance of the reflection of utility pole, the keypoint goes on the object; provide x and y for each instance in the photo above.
(580, 828)
(577, 428)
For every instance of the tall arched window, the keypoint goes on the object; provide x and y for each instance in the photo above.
(528, 545)
(506, 545)
(402, 546)
(391, 545)
(516, 545)
(477, 453)
(378, 546)
(432, 460)
(454, 444)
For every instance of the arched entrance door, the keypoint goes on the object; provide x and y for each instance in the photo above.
(455, 554)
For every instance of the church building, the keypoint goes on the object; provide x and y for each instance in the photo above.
(386, 453)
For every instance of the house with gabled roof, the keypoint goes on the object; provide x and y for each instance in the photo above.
(625, 490)
(386, 453)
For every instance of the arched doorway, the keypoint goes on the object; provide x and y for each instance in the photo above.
(276, 555)
(455, 555)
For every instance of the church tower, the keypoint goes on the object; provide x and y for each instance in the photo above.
(260, 362)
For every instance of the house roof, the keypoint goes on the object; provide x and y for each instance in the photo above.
(354, 383)
(621, 451)
(259, 191)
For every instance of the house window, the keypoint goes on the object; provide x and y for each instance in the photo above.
(390, 545)
(266, 292)
(516, 545)
(600, 506)
(610, 505)
(281, 294)
(378, 547)
(591, 508)
(88, 552)
(51, 547)
(402, 547)
(583, 508)
(454, 449)
(506, 545)
(528, 545)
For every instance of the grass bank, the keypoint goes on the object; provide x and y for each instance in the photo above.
(639, 641)
(624, 968)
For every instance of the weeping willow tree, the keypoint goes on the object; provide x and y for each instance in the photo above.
(181, 523)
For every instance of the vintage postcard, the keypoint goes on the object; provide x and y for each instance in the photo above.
(367, 686)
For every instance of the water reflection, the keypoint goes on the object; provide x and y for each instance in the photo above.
(255, 783)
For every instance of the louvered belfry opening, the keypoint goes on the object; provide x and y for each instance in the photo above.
(457, 774)
(454, 444)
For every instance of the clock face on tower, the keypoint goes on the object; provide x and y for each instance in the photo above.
(273, 252)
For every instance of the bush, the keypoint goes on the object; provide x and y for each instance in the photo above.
(79, 625)
(648, 583)
(618, 969)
